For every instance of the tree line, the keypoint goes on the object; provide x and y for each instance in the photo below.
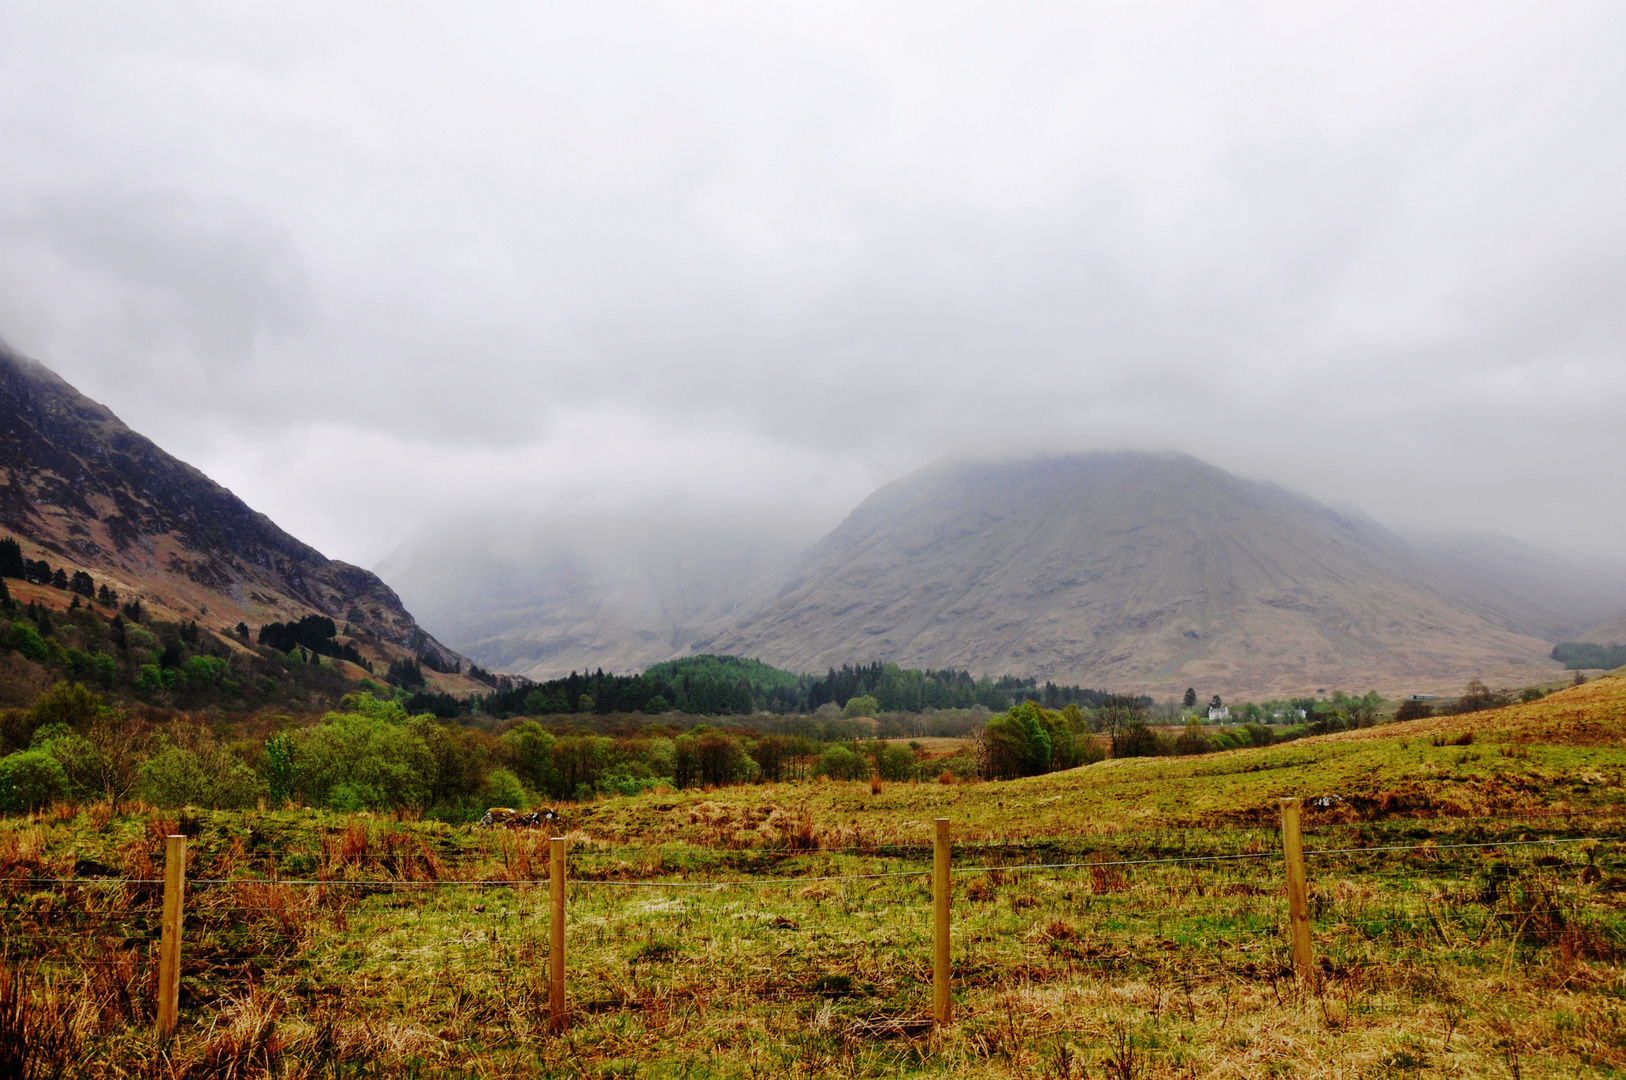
(1576, 655)
(39, 572)
(734, 686)
(316, 633)
(372, 753)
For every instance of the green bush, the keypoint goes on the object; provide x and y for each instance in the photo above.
(897, 763)
(31, 779)
(862, 705)
(1019, 743)
(962, 764)
(840, 763)
(373, 756)
(69, 705)
(350, 796)
(180, 777)
(204, 670)
(174, 777)
(26, 640)
(633, 785)
(502, 788)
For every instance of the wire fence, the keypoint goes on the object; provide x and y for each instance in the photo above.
(1079, 912)
(1427, 848)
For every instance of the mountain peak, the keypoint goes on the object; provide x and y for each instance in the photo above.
(1131, 570)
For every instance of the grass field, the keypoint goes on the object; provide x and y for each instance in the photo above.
(736, 932)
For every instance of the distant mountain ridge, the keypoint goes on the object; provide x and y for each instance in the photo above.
(76, 482)
(1139, 571)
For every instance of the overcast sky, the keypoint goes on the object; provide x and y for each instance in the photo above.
(377, 267)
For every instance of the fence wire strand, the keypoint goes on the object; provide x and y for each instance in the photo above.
(384, 885)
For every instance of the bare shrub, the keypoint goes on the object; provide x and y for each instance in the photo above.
(979, 890)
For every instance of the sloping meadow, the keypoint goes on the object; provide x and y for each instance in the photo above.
(1122, 919)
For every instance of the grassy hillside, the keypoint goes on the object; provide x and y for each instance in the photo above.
(1562, 754)
(738, 933)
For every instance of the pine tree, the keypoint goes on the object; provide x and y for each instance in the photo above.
(11, 559)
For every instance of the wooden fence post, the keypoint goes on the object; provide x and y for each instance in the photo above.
(1298, 892)
(169, 946)
(940, 925)
(556, 933)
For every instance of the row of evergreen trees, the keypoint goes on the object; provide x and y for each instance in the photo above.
(733, 686)
(39, 572)
(315, 633)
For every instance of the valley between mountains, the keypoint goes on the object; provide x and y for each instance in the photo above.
(1136, 572)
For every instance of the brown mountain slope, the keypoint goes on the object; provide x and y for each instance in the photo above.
(79, 487)
(1518, 587)
(1134, 571)
(1611, 632)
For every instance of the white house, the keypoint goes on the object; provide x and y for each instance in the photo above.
(1221, 713)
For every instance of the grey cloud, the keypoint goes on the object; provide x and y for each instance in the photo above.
(211, 279)
(1371, 253)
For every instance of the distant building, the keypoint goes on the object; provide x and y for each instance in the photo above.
(1421, 697)
(1221, 713)
(1288, 714)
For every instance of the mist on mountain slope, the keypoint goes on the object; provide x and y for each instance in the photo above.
(1128, 570)
(618, 591)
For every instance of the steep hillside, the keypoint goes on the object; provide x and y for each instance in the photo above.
(78, 487)
(1609, 632)
(1519, 587)
(1131, 571)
